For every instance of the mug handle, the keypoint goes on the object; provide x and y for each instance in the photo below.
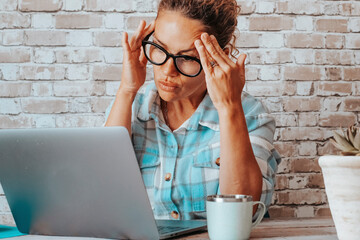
(261, 214)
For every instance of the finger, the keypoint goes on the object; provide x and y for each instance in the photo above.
(142, 58)
(147, 30)
(213, 52)
(150, 28)
(220, 50)
(125, 44)
(241, 61)
(135, 37)
(203, 58)
(142, 34)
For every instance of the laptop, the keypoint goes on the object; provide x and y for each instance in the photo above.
(82, 182)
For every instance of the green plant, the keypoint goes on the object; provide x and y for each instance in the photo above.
(348, 141)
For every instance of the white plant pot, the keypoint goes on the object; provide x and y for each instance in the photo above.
(342, 184)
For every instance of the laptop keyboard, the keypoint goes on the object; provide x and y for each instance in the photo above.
(169, 229)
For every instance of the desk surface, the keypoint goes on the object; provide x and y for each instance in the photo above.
(274, 229)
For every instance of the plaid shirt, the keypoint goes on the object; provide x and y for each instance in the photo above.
(179, 167)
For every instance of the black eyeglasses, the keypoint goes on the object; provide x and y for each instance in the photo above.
(157, 55)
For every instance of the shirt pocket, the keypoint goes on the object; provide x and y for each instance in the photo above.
(205, 175)
(149, 162)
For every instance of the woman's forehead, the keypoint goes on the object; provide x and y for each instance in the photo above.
(173, 29)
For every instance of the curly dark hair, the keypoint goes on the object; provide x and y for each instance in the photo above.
(218, 16)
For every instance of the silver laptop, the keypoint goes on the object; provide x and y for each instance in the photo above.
(79, 182)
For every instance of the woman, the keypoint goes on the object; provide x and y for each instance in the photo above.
(190, 127)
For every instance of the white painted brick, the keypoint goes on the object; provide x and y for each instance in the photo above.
(113, 55)
(285, 120)
(40, 89)
(114, 20)
(352, 41)
(10, 72)
(305, 212)
(69, 88)
(100, 104)
(17, 121)
(73, 5)
(357, 57)
(44, 105)
(79, 120)
(42, 20)
(307, 119)
(146, 6)
(331, 104)
(112, 87)
(51, 72)
(14, 20)
(272, 40)
(251, 73)
(78, 55)
(258, 88)
(79, 38)
(80, 105)
(78, 72)
(269, 72)
(304, 23)
(304, 56)
(273, 104)
(13, 37)
(243, 23)
(44, 56)
(15, 89)
(109, 5)
(265, 7)
(98, 89)
(357, 89)
(8, 5)
(304, 88)
(331, 8)
(307, 149)
(354, 24)
(10, 106)
(44, 121)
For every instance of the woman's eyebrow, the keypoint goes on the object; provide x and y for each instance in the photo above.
(182, 51)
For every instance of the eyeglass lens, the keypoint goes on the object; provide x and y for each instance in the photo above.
(184, 64)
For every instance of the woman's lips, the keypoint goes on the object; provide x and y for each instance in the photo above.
(168, 87)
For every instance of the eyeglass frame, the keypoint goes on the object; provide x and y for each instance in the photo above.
(168, 55)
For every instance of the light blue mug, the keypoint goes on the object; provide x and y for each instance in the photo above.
(229, 217)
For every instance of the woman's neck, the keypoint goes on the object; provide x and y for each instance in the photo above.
(177, 112)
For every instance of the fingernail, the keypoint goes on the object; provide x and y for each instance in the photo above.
(212, 37)
(197, 43)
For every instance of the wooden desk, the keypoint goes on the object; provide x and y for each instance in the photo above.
(274, 229)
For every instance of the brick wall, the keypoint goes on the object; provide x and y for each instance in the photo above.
(60, 64)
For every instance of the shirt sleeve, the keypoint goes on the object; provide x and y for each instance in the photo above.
(261, 127)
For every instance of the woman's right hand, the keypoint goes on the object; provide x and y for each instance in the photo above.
(134, 61)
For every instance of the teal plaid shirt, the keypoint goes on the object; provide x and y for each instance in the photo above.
(179, 167)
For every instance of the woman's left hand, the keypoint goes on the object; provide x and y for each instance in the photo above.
(225, 79)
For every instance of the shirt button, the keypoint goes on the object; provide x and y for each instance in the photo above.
(175, 214)
(167, 177)
(217, 162)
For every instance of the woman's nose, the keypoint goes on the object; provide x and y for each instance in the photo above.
(169, 68)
